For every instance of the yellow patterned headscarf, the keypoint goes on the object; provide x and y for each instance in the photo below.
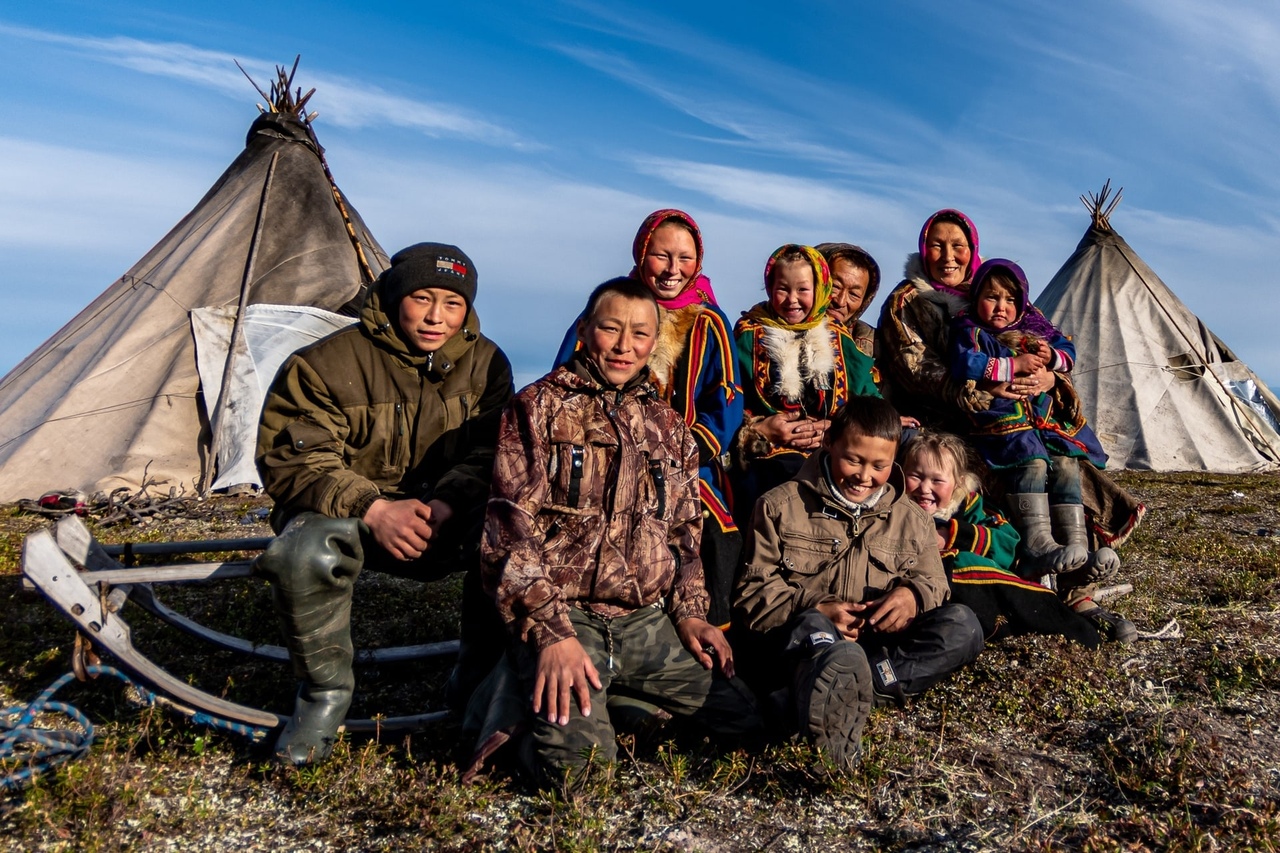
(821, 289)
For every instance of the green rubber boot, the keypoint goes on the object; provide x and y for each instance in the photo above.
(312, 567)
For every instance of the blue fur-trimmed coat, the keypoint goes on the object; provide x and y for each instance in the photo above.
(1013, 432)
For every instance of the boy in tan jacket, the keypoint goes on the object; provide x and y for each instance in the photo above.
(844, 589)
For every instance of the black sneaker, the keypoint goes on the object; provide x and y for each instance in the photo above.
(1112, 626)
(833, 699)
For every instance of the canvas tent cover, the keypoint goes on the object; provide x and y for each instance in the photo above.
(1159, 388)
(117, 392)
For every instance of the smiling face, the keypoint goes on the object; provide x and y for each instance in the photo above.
(619, 336)
(849, 283)
(930, 480)
(947, 253)
(860, 464)
(430, 317)
(670, 260)
(997, 304)
(791, 291)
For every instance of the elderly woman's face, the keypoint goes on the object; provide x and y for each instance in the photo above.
(669, 261)
(849, 283)
(947, 253)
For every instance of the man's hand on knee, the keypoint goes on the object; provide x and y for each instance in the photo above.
(564, 668)
(706, 643)
(403, 528)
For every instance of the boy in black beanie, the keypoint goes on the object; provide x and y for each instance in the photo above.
(377, 445)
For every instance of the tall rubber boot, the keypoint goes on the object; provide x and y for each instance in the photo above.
(312, 567)
(1029, 512)
(1069, 527)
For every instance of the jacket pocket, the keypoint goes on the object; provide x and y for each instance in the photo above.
(307, 436)
(807, 554)
(397, 458)
(888, 565)
(580, 466)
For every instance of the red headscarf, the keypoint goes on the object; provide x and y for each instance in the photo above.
(970, 232)
(699, 287)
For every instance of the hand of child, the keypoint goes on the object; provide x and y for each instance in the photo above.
(564, 668)
(792, 429)
(894, 611)
(1028, 363)
(847, 616)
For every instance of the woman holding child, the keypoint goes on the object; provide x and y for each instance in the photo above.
(913, 357)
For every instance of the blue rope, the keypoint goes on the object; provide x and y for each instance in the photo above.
(53, 747)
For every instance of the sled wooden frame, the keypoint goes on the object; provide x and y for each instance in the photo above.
(79, 577)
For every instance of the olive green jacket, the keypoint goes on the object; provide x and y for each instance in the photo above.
(806, 547)
(359, 415)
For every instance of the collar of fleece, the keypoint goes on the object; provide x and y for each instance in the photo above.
(799, 359)
(950, 300)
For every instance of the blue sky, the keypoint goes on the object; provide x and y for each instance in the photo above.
(537, 135)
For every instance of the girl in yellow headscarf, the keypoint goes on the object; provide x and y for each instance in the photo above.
(798, 368)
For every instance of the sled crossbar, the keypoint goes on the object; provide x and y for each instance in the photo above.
(93, 597)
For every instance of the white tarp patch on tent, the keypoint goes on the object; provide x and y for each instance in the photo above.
(270, 333)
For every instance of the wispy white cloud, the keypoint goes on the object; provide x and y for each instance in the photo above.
(1243, 36)
(60, 198)
(344, 102)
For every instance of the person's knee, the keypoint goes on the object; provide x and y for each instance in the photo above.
(573, 752)
(1028, 477)
(811, 629)
(962, 630)
(313, 549)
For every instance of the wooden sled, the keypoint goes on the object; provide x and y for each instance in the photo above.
(89, 586)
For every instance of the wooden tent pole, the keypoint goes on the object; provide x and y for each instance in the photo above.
(237, 330)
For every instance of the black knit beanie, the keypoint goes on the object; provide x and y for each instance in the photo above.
(428, 265)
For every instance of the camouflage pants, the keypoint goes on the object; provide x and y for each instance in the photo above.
(638, 655)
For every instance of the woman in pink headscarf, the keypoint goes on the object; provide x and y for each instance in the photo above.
(915, 372)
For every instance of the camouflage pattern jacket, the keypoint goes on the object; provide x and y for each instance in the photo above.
(594, 505)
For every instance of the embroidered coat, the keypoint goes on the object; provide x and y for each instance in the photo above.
(978, 556)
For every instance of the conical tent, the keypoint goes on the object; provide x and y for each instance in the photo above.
(1160, 389)
(261, 263)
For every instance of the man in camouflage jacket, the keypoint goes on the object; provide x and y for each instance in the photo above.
(591, 545)
(377, 445)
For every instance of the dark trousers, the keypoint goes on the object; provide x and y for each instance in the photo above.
(903, 664)
(721, 554)
(638, 655)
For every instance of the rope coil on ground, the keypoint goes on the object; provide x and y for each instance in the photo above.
(32, 751)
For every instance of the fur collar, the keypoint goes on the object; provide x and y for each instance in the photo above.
(673, 335)
(968, 485)
(950, 304)
(799, 359)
